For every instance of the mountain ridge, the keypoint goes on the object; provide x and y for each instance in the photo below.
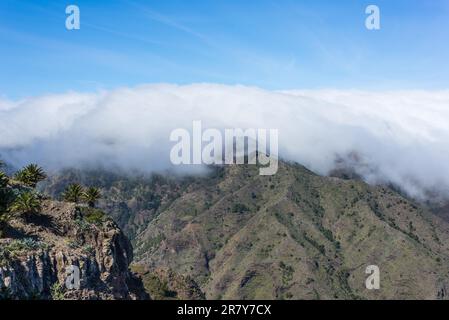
(294, 235)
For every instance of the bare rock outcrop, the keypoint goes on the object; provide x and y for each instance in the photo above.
(45, 251)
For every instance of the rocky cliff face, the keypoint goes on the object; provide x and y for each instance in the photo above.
(42, 250)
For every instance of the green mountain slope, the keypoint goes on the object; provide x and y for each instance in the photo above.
(294, 235)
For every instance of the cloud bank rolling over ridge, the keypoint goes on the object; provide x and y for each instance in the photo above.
(400, 137)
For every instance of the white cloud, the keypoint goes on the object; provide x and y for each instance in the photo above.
(401, 136)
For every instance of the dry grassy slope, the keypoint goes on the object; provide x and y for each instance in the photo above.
(298, 235)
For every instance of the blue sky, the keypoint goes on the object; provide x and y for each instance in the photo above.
(270, 44)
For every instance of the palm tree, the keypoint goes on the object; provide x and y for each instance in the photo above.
(31, 175)
(6, 195)
(3, 180)
(5, 217)
(26, 202)
(5, 198)
(73, 193)
(91, 196)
